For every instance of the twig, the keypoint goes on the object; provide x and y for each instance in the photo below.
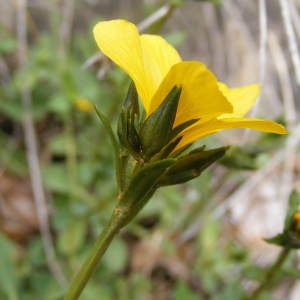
(281, 66)
(290, 114)
(295, 18)
(263, 32)
(214, 37)
(66, 25)
(292, 42)
(157, 16)
(32, 152)
(236, 22)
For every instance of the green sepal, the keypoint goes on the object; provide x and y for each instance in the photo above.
(198, 149)
(191, 166)
(290, 237)
(129, 122)
(132, 99)
(142, 186)
(182, 126)
(122, 129)
(156, 131)
(181, 150)
(166, 150)
(127, 132)
(106, 124)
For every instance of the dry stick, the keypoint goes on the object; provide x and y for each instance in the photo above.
(233, 15)
(292, 42)
(213, 37)
(263, 32)
(66, 26)
(32, 152)
(295, 18)
(281, 66)
(160, 14)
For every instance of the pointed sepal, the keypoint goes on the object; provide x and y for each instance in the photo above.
(128, 123)
(156, 131)
(191, 166)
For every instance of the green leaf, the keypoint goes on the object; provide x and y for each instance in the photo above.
(8, 274)
(58, 144)
(103, 292)
(182, 291)
(55, 177)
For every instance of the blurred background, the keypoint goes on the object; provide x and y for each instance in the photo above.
(201, 240)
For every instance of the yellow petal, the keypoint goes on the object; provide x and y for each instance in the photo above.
(202, 129)
(200, 95)
(242, 99)
(146, 59)
(120, 41)
(159, 56)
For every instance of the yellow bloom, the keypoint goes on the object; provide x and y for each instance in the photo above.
(84, 104)
(155, 68)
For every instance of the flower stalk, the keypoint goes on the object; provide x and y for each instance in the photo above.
(88, 268)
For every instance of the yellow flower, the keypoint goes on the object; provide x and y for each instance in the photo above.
(84, 104)
(155, 68)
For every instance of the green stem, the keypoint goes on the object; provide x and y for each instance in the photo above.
(103, 241)
(271, 273)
